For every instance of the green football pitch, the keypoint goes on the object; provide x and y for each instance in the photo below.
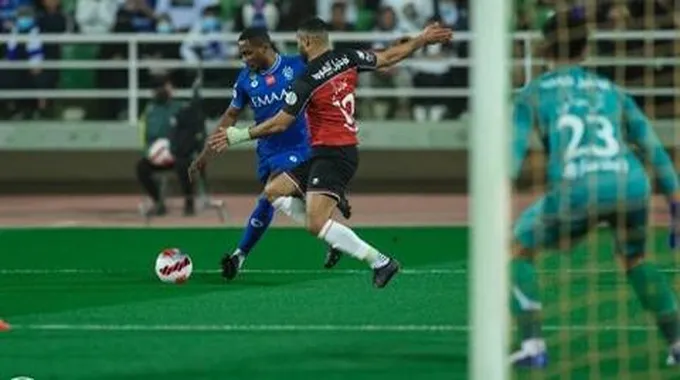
(85, 304)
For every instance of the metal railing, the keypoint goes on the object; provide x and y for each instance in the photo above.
(133, 93)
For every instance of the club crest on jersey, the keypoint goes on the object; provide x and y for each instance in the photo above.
(291, 98)
(288, 73)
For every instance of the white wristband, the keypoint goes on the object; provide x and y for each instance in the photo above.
(237, 135)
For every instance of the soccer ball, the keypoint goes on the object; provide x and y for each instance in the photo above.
(159, 153)
(173, 266)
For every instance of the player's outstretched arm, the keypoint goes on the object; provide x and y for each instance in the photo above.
(642, 135)
(224, 137)
(431, 34)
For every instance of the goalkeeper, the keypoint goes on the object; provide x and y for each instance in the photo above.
(588, 127)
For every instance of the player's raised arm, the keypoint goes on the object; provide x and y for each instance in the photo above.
(523, 121)
(642, 135)
(433, 33)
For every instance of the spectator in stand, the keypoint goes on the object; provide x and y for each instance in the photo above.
(52, 19)
(382, 108)
(431, 72)
(8, 12)
(204, 43)
(96, 16)
(183, 13)
(260, 14)
(324, 9)
(340, 23)
(138, 15)
(411, 15)
(161, 51)
(33, 78)
(294, 12)
(532, 14)
(132, 16)
(454, 14)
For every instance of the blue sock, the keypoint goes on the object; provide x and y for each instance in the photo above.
(258, 222)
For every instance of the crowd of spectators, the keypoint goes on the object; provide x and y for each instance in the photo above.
(201, 18)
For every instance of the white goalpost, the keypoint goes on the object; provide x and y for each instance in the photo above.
(490, 190)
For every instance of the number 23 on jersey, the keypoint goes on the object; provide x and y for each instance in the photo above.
(605, 145)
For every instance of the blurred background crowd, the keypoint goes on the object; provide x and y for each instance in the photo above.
(434, 69)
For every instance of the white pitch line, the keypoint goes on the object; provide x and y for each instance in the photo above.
(302, 328)
(434, 271)
(73, 271)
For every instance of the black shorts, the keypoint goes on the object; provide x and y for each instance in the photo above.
(328, 171)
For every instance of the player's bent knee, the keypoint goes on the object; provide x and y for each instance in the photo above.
(271, 192)
(278, 187)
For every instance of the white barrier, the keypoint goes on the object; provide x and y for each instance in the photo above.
(133, 93)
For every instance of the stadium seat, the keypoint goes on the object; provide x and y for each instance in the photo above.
(78, 78)
(203, 200)
(365, 20)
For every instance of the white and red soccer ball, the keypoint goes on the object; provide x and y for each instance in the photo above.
(159, 153)
(173, 266)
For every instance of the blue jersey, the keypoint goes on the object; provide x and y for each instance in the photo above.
(265, 92)
(595, 137)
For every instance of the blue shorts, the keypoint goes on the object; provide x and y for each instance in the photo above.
(542, 226)
(278, 163)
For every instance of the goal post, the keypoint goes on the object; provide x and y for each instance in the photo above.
(490, 190)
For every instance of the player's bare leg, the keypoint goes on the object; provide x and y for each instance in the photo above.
(4, 326)
(526, 309)
(320, 207)
(657, 297)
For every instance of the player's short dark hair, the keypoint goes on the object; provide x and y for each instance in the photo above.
(314, 25)
(256, 36)
(566, 34)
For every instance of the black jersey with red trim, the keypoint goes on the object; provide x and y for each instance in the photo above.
(327, 91)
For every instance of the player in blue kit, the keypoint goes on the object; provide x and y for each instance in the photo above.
(263, 85)
(595, 138)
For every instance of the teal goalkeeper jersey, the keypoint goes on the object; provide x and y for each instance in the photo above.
(595, 137)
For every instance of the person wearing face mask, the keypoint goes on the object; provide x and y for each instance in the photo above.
(161, 51)
(260, 14)
(204, 43)
(183, 125)
(8, 13)
(183, 13)
(196, 47)
(31, 52)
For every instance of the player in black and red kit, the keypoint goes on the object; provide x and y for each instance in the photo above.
(327, 91)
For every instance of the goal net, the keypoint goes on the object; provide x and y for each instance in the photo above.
(593, 320)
